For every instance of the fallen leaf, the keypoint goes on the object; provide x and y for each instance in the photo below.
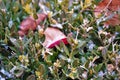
(112, 5)
(30, 24)
(115, 20)
(110, 67)
(53, 37)
(27, 24)
(108, 7)
(41, 17)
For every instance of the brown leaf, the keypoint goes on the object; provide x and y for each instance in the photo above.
(30, 24)
(115, 20)
(110, 67)
(108, 7)
(112, 5)
(41, 17)
(27, 24)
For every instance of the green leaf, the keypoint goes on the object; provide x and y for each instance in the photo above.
(41, 68)
(98, 67)
(73, 75)
(65, 49)
(96, 1)
(14, 41)
(31, 77)
(58, 48)
(81, 44)
(117, 28)
(28, 9)
(87, 3)
(76, 62)
(28, 1)
(28, 41)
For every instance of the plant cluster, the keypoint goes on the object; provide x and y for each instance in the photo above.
(59, 40)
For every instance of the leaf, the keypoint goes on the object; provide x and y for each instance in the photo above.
(83, 60)
(113, 19)
(98, 67)
(65, 4)
(87, 3)
(41, 69)
(28, 9)
(15, 42)
(58, 48)
(96, 1)
(31, 77)
(76, 62)
(76, 51)
(73, 75)
(65, 49)
(28, 41)
(108, 7)
(28, 1)
(52, 39)
(81, 44)
(117, 28)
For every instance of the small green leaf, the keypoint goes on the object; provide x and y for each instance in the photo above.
(58, 48)
(28, 1)
(14, 42)
(117, 28)
(81, 44)
(87, 3)
(28, 41)
(35, 15)
(76, 62)
(41, 68)
(65, 49)
(98, 67)
(31, 77)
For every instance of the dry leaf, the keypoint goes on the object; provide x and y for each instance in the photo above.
(112, 5)
(108, 7)
(53, 36)
(110, 67)
(30, 24)
(115, 20)
(27, 24)
(41, 17)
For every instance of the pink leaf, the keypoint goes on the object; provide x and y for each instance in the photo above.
(30, 24)
(53, 37)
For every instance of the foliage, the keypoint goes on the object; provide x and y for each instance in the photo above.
(92, 52)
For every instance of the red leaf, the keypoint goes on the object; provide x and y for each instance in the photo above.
(106, 7)
(112, 5)
(41, 17)
(22, 33)
(53, 36)
(30, 24)
(115, 20)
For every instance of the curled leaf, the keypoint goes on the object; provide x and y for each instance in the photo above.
(53, 37)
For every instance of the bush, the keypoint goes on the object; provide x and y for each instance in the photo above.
(59, 40)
